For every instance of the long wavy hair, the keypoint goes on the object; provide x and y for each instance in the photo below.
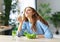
(35, 17)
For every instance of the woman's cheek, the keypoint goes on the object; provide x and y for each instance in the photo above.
(26, 15)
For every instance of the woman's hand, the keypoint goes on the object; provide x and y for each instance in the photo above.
(20, 19)
(40, 36)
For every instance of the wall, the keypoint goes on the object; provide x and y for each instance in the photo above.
(54, 4)
(25, 3)
(1, 2)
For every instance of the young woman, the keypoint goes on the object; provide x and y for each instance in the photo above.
(32, 22)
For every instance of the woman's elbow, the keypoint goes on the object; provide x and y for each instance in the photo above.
(49, 36)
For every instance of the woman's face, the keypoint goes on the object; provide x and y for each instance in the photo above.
(28, 12)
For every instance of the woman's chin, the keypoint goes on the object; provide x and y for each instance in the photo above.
(27, 15)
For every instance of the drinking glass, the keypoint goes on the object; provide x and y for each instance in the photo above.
(14, 34)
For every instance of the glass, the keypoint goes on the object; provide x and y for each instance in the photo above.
(14, 33)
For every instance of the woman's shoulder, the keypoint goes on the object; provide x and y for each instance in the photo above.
(40, 23)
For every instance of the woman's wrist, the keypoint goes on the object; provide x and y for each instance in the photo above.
(20, 26)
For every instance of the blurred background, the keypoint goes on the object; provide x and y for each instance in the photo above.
(9, 10)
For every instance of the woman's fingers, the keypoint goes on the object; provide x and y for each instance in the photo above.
(20, 18)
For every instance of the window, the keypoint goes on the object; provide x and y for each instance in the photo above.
(25, 3)
(21, 4)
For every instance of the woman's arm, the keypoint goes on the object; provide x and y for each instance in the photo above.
(21, 26)
(46, 30)
(21, 29)
(20, 23)
(46, 35)
(40, 36)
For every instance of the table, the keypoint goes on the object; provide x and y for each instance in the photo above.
(5, 30)
(6, 38)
